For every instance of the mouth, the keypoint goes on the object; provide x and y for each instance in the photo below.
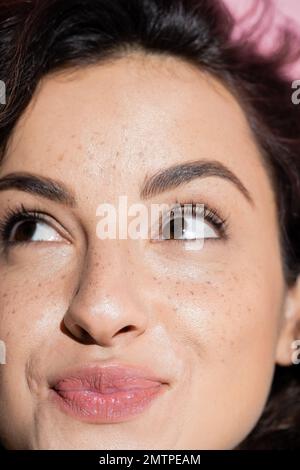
(109, 394)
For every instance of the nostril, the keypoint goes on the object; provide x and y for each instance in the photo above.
(85, 336)
(77, 333)
(125, 329)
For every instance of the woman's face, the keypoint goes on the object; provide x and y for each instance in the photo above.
(205, 321)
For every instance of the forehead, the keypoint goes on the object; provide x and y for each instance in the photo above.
(139, 113)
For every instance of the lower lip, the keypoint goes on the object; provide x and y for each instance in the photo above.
(102, 408)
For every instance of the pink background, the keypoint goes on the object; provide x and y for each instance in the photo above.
(284, 11)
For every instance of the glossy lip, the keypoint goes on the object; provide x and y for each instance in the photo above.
(106, 394)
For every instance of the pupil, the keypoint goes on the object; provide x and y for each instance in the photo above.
(173, 229)
(25, 230)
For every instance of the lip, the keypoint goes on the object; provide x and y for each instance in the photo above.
(107, 394)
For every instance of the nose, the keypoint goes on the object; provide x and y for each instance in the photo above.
(107, 308)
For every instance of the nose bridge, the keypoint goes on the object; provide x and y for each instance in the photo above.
(108, 264)
(106, 302)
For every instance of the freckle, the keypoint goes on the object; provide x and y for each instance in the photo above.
(97, 264)
(191, 292)
(5, 295)
(79, 147)
(73, 136)
(63, 276)
(61, 157)
(154, 278)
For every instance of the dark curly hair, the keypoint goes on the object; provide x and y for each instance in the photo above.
(38, 37)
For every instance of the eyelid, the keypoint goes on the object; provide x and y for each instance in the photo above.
(211, 212)
(21, 213)
(38, 220)
(211, 216)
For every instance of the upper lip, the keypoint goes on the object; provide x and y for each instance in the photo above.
(106, 379)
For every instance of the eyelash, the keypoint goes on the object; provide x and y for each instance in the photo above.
(210, 215)
(21, 214)
(12, 217)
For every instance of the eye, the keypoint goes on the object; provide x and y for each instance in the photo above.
(21, 226)
(187, 228)
(187, 222)
(32, 231)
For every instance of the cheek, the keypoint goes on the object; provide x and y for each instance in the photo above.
(233, 314)
(227, 332)
(35, 290)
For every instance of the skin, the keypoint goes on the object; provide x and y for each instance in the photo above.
(213, 322)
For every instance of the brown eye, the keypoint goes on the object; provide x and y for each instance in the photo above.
(33, 230)
(189, 226)
(24, 231)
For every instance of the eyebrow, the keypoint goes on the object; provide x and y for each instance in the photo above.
(177, 175)
(161, 181)
(38, 185)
